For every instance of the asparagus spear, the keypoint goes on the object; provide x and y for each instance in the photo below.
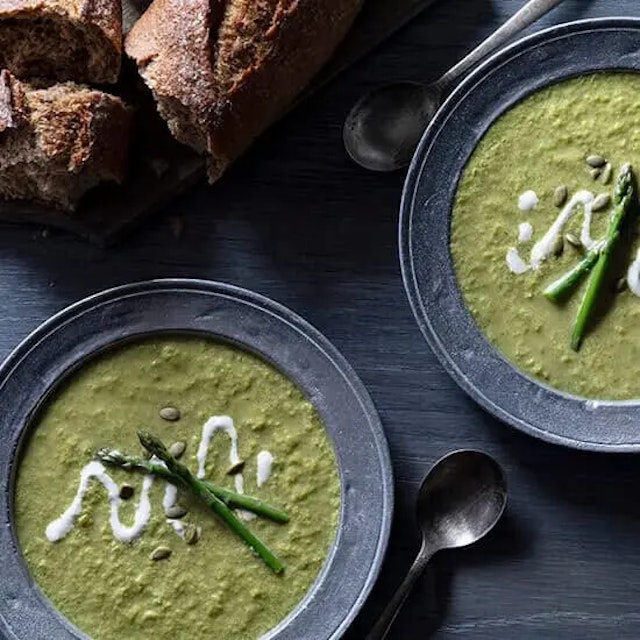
(624, 194)
(559, 288)
(232, 499)
(155, 446)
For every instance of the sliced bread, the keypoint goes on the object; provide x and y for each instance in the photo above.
(79, 40)
(223, 70)
(59, 141)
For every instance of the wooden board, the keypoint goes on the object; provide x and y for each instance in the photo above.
(160, 167)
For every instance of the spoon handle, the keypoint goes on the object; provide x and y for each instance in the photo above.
(532, 11)
(390, 612)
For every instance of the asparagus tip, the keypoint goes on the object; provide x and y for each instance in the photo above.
(152, 444)
(108, 456)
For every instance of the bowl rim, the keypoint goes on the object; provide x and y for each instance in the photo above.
(503, 79)
(262, 327)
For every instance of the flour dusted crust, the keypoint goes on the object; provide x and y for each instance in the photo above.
(59, 141)
(223, 70)
(78, 40)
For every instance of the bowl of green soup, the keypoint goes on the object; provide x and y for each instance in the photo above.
(185, 459)
(520, 235)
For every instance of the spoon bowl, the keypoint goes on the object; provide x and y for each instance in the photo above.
(384, 127)
(460, 500)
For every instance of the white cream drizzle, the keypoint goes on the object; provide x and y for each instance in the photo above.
(59, 528)
(170, 496)
(213, 424)
(177, 526)
(633, 275)
(585, 232)
(544, 247)
(264, 462)
(515, 263)
(62, 526)
(528, 201)
(168, 500)
(525, 232)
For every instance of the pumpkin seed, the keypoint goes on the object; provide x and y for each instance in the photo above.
(607, 173)
(596, 161)
(192, 534)
(175, 512)
(177, 449)
(557, 247)
(236, 468)
(601, 201)
(126, 492)
(560, 195)
(160, 553)
(170, 414)
(572, 240)
(595, 173)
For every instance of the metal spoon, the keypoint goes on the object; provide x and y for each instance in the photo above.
(460, 501)
(384, 127)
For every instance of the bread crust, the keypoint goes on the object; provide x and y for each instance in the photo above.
(94, 26)
(223, 70)
(182, 75)
(58, 141)
(12, 103)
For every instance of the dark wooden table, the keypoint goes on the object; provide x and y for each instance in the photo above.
(296, 221)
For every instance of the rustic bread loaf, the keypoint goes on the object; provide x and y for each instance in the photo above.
(59, 141)
(223, 70)
(78, 40)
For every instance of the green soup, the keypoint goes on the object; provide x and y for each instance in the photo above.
(539, 145)
(215, 588)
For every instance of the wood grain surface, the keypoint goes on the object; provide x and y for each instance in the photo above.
(296, 221)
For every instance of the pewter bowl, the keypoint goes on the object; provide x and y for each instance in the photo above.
(552, 55)
(256, 324)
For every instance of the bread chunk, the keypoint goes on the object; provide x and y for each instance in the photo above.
(79, 40)
(59, 141)
(222, 71)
